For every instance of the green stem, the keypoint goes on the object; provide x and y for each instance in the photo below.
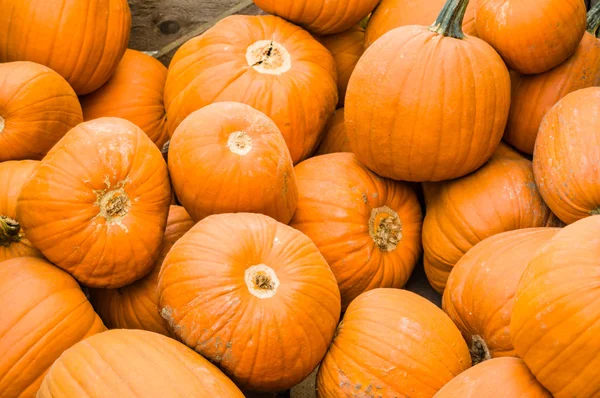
(449, 22)
(593, 20)
(9, 231)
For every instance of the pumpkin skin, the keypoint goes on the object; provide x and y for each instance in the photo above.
(34, 117)
(499, 197)
(480, 292)
(241, 158)
(135, 92)
(514, 27)
(392, 343)
(134, 363)
(335, 138)
(97, 204)
(44, 312)
(295, 85)
(556, 319)
(135, 306)
(367, 228)
(230, 284)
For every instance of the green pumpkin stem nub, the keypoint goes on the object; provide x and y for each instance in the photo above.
(9, 231)
(593, 20)
(449, 22)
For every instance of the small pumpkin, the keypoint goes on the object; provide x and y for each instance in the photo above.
(368, 228)
(97, 204)
(555, 322)
(37, 108)
(44, 312)
(253, 296)
(136, 93)
(335, 138)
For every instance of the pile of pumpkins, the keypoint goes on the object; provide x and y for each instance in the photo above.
(253, 211)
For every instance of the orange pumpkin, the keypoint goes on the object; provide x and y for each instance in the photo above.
(136, 93)
(335, 138)
(555, 322)
(33, 116)
(134, 363)
(427, 103)
(265, 62)
(392, 343)
(367, 228)
(135, 306)
(499, 197)
(531, 37)
(566, 156)
(97, 204)
(253, 296)
(480, 292)
(44, 312)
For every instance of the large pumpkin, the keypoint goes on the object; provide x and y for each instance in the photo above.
(82, 40)
(97, 204)
(37, 108)
(135, 93)
(556, 318)
(335, 138)
(44, 312)
(499, 197)
(480, 292)
(368, 228)
(240, 159)
(262, 61)
(252, 295)
(131, 364)
(427, 103)
(531, 37)
(392, 343)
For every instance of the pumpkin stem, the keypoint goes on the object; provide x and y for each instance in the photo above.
(449, 22)
(261, 280)
(9, 231)
(593, 20)
(479, 350)
(2, 124)
(596, 211)
(165, 150)
(385, 228)
(365, 21)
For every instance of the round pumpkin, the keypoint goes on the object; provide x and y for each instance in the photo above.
(555, 322)
(135, 306)
(367, 228)
(497, 378)
(37, 108)
(241, 160)
(499, 197)
(134, 363)
(136, 93)
(480, 292)
(44, 312)
(253, 296)
(531, 37)
(566, 156)
(97, 204)
(392, 343)
(335, 138)
(427, 103)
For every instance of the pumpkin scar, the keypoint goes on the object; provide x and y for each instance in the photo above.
(2, 124)
(261, 280)
(114, 203)
(268, 57)
(385, 228)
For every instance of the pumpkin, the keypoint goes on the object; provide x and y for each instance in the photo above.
(427, 103)
(335, 138)
(497, 378)
(34, 116)
(499, 197)
(134, 363)
(44, 312)
(253, 296)
(367, 228)
(531, 37)
(480, 292)
(556, 318)
(392, 343)
(566, 156)
(82, 40)
(262, 61)
(135, 306)
(136, 93)
(97, 204)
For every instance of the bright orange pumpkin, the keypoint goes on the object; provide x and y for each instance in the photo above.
(335, 138)
(44, 312)
(136, 93)
(555, 322)
(253, 296)
(367, 228)
(37, 108)
(97, 204)
(262, 61)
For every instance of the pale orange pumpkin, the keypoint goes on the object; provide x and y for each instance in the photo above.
(335, 138)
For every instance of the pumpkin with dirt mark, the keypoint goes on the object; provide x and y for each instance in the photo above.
(335, 138)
